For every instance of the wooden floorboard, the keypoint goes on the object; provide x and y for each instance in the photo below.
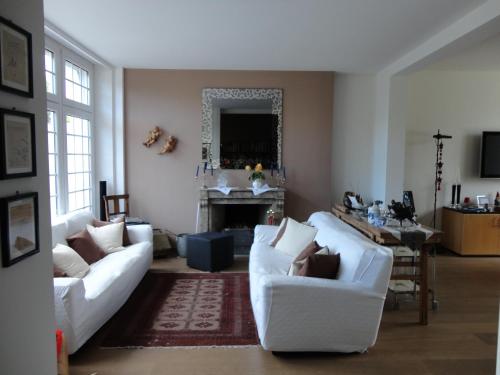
(460, 339)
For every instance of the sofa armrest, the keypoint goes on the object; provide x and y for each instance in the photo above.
(140, 233)
(68, 292)
(265, 233)
(309, 310)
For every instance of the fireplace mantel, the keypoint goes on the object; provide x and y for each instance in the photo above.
(209, 218)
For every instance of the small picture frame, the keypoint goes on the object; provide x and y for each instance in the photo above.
(16, 59)
(17, 144)
(482, 200)
(19, 227)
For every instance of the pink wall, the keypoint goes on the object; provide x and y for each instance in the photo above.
(162, 187)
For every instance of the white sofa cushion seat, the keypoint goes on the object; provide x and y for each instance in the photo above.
(114, 268)
(265, 260)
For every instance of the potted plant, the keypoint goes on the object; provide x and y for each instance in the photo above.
(257, 176)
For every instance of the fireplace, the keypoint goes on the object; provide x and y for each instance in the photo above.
(238, 213)
(240, 221)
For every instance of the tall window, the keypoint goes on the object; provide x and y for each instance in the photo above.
(69, 126)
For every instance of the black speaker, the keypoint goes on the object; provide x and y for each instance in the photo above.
(102, 193)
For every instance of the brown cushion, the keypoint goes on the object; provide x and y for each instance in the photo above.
(85, 246)
(281, 231)
(323, 266)
(310, 249)
(59, 273)
(121, 219)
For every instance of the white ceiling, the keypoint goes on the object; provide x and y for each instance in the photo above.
(482, 57)
(340, 35)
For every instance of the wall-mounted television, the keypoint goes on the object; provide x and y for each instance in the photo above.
(490, 155)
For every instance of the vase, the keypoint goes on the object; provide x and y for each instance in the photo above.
(257, 184)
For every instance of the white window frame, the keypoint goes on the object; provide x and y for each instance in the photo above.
(62, 107)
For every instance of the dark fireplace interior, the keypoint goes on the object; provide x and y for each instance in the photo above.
(239, 220)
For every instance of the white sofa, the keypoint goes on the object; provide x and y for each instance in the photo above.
(82, 306)
(295, 313)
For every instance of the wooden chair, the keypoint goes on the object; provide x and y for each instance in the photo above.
(115, 209)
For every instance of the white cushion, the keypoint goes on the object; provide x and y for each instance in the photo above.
(281, 228)
(296, 237)
(265, 260)
(108, 237)
(69, 262)
(296, 265)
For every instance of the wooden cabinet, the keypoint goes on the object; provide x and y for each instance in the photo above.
(471, 233)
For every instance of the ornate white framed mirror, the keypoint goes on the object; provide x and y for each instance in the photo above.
(242, 126)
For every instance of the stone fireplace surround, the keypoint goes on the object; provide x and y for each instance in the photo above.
(211, 216)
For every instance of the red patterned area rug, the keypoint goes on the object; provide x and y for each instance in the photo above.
(185, 309)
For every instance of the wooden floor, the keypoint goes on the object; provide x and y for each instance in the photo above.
(460, 339)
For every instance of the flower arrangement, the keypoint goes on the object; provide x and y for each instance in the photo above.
(257, 173)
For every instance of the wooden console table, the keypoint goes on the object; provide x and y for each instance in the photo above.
(384, 237)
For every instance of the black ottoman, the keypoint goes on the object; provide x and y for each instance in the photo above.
(210, 251)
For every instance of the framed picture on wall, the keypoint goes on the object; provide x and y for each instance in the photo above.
(19, 227)
(17, 144)
(16, 60)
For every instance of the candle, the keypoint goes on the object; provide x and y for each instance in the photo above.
(211, 169)
(205, 168)
(197, 170)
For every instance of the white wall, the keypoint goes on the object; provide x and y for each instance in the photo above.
(104, 140)
(27, 324)
(352, 136)
(462, 104)
(398, 117)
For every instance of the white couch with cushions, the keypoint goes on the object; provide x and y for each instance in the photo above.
(83, 305)
(295, 313)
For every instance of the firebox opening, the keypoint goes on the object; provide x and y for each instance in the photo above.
(240, 221)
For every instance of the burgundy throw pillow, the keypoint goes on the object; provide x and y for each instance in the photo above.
(121, 219)
(310, 249)
(85, 246)
(322, 266)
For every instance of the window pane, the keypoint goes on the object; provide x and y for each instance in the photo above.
(49, 61)
(53, 186)
(51, 125)
(50, 70)
(77, 83)
(69, 90)
(70, 145)
(53, 206)
(52, 150)
(78, 162)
